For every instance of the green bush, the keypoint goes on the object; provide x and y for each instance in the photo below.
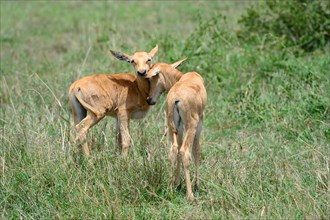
(298, 23)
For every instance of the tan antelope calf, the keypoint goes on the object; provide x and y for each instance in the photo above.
(185, 104)
(118, 95)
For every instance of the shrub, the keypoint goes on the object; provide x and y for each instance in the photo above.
(299, 23)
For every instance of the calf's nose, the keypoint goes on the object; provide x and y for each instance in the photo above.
(150, 101)
(142, 73)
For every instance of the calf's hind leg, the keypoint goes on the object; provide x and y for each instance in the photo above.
(185, 155)
(179, 160)
(196, 151)
(82, 128)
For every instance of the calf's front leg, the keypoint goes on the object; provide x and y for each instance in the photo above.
(124, 136)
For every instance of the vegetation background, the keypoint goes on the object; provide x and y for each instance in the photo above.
(266, 135)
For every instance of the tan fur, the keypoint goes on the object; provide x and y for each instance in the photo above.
(185, 104)
(118, 95)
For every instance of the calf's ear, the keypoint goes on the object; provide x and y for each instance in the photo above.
(121, 56)
(153, 51)
(152, 73)
(178, 63)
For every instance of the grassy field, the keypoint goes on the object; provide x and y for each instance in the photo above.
(266, 136)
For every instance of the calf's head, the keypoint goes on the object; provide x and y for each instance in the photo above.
(141, 60)
(157, 76)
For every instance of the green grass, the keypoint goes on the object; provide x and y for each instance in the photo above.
(265, 141)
